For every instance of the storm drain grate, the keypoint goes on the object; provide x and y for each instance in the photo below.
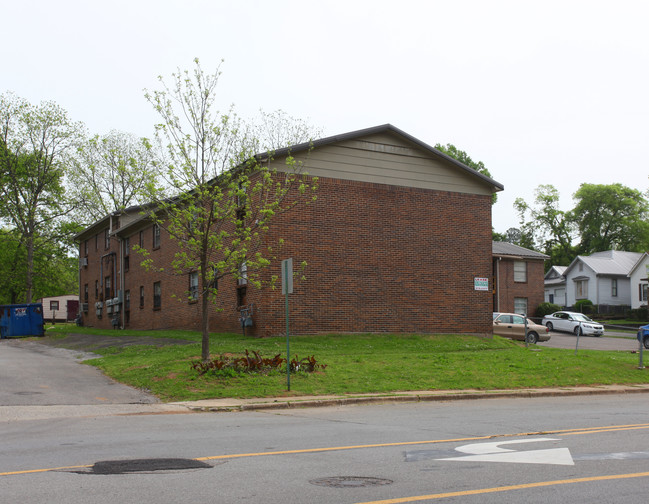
(350, 481)
(146, 465)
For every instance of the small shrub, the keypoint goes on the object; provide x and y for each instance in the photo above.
(253, 363)
(546, 309)
(641, 314)
(308, 364)
(584, 306)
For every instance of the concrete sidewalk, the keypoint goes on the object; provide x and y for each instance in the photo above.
(233, 404)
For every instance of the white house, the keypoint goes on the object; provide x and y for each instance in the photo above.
(602, 277)
(639, 281)
(555, 285)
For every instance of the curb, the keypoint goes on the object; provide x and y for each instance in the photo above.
(412, 397)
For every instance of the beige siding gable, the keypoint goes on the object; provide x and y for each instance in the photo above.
(387, 158)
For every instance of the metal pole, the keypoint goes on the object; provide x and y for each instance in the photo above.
(641, 366)
(288, 348)
(527, 343)
(578, 334)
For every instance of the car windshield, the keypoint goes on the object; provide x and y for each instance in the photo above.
(581, 317)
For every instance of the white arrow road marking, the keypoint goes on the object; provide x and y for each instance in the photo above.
(492, 452)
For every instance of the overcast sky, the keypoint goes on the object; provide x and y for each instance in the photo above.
(542, 92)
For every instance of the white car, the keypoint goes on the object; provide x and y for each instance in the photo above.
(572, 322)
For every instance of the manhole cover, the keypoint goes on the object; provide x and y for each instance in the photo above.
(350, 481)
(146, 465)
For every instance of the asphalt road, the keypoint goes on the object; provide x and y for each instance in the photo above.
(34, 374)
(612, 341)
(561, 449)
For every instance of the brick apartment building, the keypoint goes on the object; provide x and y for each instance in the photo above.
(518, 278)
(398, 240)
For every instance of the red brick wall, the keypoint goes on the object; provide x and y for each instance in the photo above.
(101, 264)
(380, 259)
(508, 289)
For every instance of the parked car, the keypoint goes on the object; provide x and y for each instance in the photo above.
(512, 325)
(572, 322)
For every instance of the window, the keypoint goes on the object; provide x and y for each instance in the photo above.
(241, 295)
(520, 271)
(242, 283)
(127, 300)
(107, 288)
(85, 248)
(614, 287)
(243, 274)
(141, 296)
(106, 239)
(127, 251)
(156, 236)
(96, 289)
(643, 291)
(141, 239)
(241, 204)
(96, 242)
(157, 296)
(193, 286)
(85, 293)
(520, 306)
(581, 266)
(581, 289)
(54, 305)
(516, 319)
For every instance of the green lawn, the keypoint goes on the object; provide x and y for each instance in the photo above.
(359, 363)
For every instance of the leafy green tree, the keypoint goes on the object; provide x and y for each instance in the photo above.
(464, 158)
(55, 271)
(12, 262)
(225, 197)
(611, 217)
(110, 173)
(550, 229)
(35, 145)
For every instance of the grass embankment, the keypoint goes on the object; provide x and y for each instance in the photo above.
(357, 364)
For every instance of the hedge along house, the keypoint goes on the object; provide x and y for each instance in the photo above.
(397, 241)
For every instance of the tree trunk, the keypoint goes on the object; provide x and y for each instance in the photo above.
(205, 316)
(29, 283)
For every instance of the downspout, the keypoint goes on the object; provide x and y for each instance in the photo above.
(498, 284)
(121, 282)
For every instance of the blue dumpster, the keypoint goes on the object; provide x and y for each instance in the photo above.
(643, 335)
(21, 320)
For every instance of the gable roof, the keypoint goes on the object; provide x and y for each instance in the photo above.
(555, 272)
(608, 262)
(506, 249)
(384, 128)
(639, 263)
(488, 185)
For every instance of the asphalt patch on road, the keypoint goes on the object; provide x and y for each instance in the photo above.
(145, 466)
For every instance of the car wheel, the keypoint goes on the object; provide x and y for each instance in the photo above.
(578, 331)
(645, 342)
(532, 338)
(549, 326)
